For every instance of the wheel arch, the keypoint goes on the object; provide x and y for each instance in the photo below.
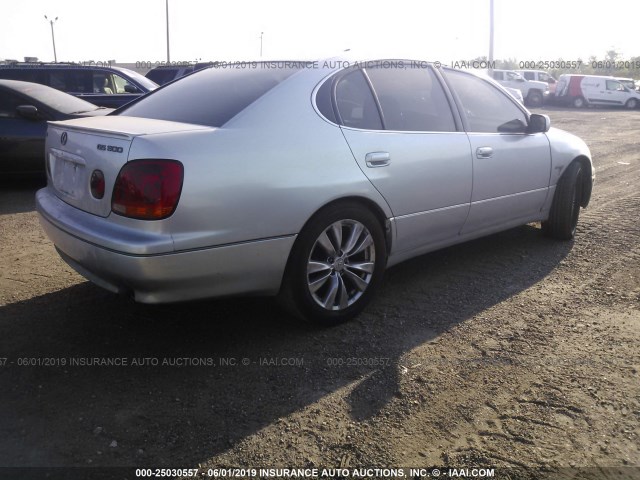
(367, 203)
(587, 180)
(585, 103)
(289, 294)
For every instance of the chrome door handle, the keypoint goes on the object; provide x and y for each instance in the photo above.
(484, 152)
(377, 159)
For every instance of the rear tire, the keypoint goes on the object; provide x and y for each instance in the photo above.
(336, 265)
(579, 102)
(565, 210)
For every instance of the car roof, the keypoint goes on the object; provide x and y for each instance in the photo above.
(23, 87)
(53, 65)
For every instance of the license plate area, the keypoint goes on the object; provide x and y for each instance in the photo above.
(68, 173)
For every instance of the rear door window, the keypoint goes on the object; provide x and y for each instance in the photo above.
(70, 80)
(411, 99)
(58, 80)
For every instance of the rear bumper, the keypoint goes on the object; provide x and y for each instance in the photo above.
(254, 267)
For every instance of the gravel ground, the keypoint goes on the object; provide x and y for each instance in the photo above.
(512, 352)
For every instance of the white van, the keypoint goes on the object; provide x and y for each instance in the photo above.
(582, 90)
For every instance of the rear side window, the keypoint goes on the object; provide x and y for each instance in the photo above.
(210, 97)
(23, 74)
(356, 105)
(411, 99)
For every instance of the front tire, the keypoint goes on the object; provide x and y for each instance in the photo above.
(565, 210)
(335, 266)
(631, 104)
(534, 99)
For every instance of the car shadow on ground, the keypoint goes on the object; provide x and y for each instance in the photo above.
(18, 195)
(232, 367)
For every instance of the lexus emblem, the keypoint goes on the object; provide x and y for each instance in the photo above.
(63, 138)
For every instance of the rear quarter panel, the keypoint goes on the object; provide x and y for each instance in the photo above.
(262, 175)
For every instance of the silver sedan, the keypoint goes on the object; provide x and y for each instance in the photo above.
(303, 180)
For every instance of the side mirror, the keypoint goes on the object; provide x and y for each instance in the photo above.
(28, 111)
(513, 126)
(131, 88)
(538, 123)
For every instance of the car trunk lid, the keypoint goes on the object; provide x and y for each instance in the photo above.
(75, 149)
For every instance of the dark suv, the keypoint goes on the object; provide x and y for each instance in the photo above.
(103, 86)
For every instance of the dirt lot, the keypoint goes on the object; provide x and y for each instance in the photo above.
(514, 352)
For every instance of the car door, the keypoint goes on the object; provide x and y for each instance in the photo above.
(615, 93)
(405, 139)
(21, 139)
(511, 168)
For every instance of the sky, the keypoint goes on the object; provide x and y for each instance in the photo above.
(131, 31)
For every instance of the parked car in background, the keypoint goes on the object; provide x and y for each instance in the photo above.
(517, 94)
(109, 87)
(305, 183)
(168, 73)
(25, 109)
(533, 92)
(540, 76)
(583, 90)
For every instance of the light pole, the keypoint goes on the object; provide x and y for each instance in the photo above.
(490, 35)
(53, 38)
(167, 6)
(261, 34)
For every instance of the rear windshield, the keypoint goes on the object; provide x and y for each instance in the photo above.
(212, 96)
(55, 99)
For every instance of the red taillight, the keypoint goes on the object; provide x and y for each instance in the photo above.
(97, 184)
(148, 189)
